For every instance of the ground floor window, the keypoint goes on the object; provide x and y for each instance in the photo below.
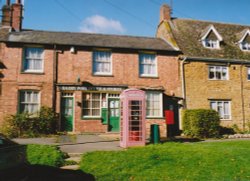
(154, 104)
(222, 107)
(92, 102)
(29, 101)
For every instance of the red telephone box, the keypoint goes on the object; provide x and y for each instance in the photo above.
(169, 115)
(132, 119)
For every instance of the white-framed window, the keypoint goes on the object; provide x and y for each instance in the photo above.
(213, 44)
(245, 46)
(218, 73)
(102, 63)
(222, 107)
(248, 73)
(33, 59)
(153, 104)
(148, 65)
(29, 101)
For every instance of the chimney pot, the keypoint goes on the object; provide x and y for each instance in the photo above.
(7, 2)
(165, 13)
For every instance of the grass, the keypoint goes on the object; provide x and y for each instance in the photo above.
(45, 155)
(173, 161)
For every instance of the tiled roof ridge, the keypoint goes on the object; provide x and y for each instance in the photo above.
(211, 22)
(84, 33)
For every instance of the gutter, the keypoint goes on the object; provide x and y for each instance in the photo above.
(199, 59)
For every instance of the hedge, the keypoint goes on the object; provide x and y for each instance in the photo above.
(201, 123)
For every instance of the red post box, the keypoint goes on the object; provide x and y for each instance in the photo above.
(169, 116)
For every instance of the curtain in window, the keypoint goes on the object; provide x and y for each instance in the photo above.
(29, 101)
(33, 59)
(153, 104)
(147, 64)
(91, 104)
(102, 62)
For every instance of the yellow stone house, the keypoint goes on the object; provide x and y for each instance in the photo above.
(214, 65)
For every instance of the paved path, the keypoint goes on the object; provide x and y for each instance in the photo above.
(77, 144)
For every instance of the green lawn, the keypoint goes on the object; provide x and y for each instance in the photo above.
(173, 161)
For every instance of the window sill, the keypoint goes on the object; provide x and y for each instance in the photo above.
(149, 77)
(226, 119)
(37, 73)
(155, 117)
(103, 75)
(91, 118)
(218, 79)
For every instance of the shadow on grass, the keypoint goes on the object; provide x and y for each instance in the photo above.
(182, 140)
(45, 173)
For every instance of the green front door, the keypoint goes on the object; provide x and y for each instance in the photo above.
(114, 115)
(67, 110)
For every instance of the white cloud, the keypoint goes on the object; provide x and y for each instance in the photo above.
(101, 24)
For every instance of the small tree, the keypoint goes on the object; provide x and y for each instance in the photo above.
(201, 123)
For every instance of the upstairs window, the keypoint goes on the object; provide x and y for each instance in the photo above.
(248, 73)
(33, 59)
(210, 38)
(245, 46)
(218, 73)
(244, 42)
(211, 43)
(148, 66)
(102, 64)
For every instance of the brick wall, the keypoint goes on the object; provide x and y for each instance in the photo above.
(14, 80)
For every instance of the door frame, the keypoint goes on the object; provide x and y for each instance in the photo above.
(113, 98)
(68, 95)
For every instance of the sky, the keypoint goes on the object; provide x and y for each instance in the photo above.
(125, 17)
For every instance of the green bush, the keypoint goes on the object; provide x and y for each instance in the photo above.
(201, 123)
(45, 155)
(27, 125)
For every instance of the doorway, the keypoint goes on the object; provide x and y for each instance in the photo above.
(113, 115)
(67, 112)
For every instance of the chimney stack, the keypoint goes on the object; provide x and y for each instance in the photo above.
(165, 13)
(12, 15)
(6, 14)
(17, 15)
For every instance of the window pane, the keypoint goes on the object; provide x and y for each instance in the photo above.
(147, 64)
(33, 59)
(153, 104)
(102, 62)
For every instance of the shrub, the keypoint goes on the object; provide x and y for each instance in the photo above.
(201, 123)
(45, 155)
(24, 124)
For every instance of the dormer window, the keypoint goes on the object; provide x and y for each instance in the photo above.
(210, 38)
(244, 42)
(211, 43)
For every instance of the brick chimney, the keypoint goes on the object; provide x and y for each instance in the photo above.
(12, 15)
(17, 15)
(6, 14)
(165, 13)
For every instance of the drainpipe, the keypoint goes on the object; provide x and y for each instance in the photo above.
(55, 76)
(242, 99)
(183, 82)
(183, 85)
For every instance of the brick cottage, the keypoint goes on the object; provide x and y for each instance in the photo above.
(81, 75)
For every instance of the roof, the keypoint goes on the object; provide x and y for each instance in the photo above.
(188, 37)
(85, 39)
